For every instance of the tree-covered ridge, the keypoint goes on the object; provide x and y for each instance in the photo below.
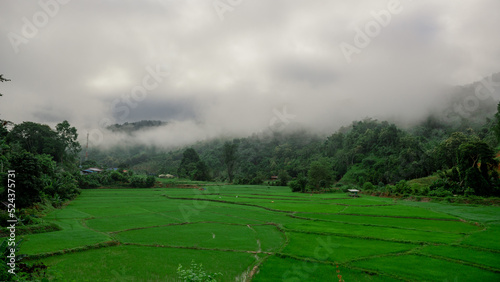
(129, 127)
(378, 152)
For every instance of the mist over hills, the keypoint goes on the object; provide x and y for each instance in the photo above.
(354, 150)
(457, 107)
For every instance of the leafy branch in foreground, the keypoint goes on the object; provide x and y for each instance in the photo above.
(196, 273)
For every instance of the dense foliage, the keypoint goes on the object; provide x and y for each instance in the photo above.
(367, 151)
(192, 167)
(43, 160)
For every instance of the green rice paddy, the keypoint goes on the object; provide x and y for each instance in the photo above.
(265, 233)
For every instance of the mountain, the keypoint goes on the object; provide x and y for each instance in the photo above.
(130, 127)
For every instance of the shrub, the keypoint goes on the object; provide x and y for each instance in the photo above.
(150, 181)
(196, 273)
(299, 184)
(137, 181)
(283, 178)
(294, 186)
(142, 182)
(402, 187)
(440, 192)
(368, 186)
(88, 181)
(118, 177)
(425, 191)
(256, 181)
(390, 189)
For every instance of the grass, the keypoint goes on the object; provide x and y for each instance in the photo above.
(404, 223)
(374, 232)
(482, 214)
(419, 268)
(289, 269)
(397, 211)
(290, 236)
(465, 254)
(485, 239)
(138, 263)
(72, 235)
(202, 235)
(117, 223)
(339, 249)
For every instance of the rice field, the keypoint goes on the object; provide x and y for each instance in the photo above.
(263, 233)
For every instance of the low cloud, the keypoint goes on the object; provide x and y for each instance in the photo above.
(230, 74)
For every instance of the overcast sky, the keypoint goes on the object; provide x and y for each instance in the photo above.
(238, 66)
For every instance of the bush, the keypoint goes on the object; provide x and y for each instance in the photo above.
(150, 181)
(368, 186)
(425, 191)
(196, 273)
(294, 186)
(402, 187)
(440, 193)
(137, 181)
(298, 185)
(118, 177)
(283, 178)
(256, 181)
(88, 181)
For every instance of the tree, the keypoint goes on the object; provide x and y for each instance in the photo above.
(283, 178)
(29, 169)
(496, 123)
(230, 157)
(192, 166)
(448, 149)
(41, 139)
(35, 138)
(70, 147)
(202, 172)
(320, 174)
(477, 168)
(298, 185)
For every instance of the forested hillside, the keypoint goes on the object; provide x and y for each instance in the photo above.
(365, 151)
